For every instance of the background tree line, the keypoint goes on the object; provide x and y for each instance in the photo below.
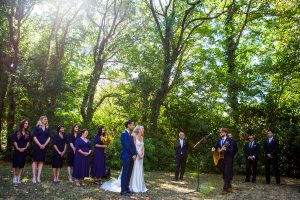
(191, 65)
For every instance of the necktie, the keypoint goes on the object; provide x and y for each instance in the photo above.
(222, 142)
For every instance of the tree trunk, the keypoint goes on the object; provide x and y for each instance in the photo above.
(160, 96)
(112, 15)
(11, 110)
(3, 90)
(232, 42)
(87, 106)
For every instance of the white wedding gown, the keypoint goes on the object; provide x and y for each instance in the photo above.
(137, 182)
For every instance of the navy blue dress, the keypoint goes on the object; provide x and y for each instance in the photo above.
(42, 136)
(98, 164)
(81, 162)
(57, 160)
(19, 158)
(71, 153)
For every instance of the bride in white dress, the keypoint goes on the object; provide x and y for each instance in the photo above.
(137, 182)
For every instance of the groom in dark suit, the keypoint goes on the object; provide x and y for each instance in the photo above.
(128, 157)
(180, 156)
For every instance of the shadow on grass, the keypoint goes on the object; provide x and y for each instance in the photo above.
(159, 184)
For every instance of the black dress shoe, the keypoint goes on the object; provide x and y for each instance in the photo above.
(130, 192)
(124, 194)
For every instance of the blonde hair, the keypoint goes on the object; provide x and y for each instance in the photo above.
(137, 129)
(39, 123)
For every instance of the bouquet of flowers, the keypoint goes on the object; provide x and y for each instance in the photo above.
(107, 140)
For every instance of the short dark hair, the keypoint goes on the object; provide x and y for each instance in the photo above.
(128, 122)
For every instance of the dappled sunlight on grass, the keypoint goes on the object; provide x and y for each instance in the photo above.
(160, 184)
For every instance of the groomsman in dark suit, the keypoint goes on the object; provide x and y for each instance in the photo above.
(227, 147)
(251, 151)
(271, 151)
(180, 147)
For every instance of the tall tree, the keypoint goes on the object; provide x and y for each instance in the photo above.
(16, 13)
(3, 64)
(53, 63)
(176, 21)
(234, 29)
(107, 17)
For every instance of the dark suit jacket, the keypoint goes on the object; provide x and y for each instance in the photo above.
(252, 151)
(229, 153)
(128, 147)
(179, 150)
(271, 148)
(235, 146)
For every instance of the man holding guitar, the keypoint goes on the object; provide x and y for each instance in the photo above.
(225, 151)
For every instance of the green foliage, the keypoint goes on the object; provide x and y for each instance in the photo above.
(265, 79)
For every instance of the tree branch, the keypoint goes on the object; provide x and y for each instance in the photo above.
(244, 24)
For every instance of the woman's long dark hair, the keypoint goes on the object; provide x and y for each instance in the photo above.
(100, 128)
(72, 130)
(58, 129)
(19, 133)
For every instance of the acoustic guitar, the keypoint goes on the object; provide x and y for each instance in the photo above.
(219, 153)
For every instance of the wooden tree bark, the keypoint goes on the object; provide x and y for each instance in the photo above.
(112, 15)
(16, 13)
(53, 70)
(233, 36)
(173, 44)
(3, 90)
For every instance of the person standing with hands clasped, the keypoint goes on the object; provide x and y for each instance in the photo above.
(251, 151)
(180, 147)
(128, 157)
(271, 150)
(41, 139)
(21, 141)
(82, 158)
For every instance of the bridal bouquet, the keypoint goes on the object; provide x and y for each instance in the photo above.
(107, 140)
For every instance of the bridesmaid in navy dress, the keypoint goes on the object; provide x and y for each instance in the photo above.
(82, 158)
(59, 149)
(71, 138)
(98, 164)
(21, 141)
(41, 139)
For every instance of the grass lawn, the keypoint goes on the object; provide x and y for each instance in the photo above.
(160, 184)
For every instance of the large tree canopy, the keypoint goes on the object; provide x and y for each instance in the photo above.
(171, 65)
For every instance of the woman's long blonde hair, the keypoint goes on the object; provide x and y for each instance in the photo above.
(39, 123)
(137, 129)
